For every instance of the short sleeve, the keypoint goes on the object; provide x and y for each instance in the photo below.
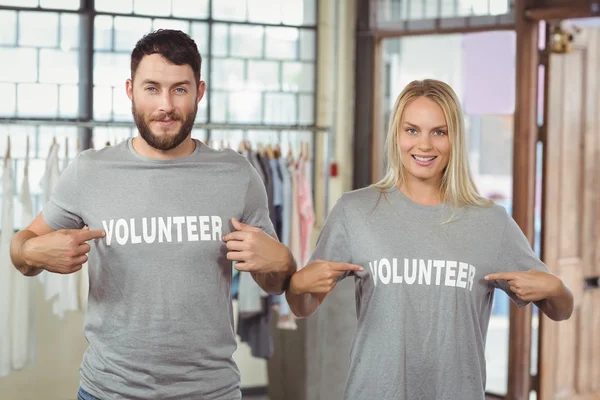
(516, 255)
(333, 241)
(256, 205)
(62, 210)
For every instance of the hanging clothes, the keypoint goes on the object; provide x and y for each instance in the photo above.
(61, 289)
(6, 266)
(295, 217)
(306, 209)
(286, 319)
(24, 338)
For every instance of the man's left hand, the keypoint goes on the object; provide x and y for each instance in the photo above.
(255, 251)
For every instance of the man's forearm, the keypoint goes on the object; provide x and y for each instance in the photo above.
(17, 253)
(558, 307)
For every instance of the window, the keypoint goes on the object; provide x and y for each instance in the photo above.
(43, 73)
(258, 61)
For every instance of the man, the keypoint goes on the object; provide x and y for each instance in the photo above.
(156, 211)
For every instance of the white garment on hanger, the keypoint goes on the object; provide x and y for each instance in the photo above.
(23, 306)
(60, 288)
(6, 267)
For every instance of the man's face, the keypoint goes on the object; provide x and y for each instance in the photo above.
(164, 100)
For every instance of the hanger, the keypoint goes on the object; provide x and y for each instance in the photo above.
(7, 156)
(67, 148)
(78, 145)
(27, 150)
(277, 151)
(270, 152)
(242, 146)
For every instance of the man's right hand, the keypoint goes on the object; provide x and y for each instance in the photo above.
(319, 276)
(63, 251)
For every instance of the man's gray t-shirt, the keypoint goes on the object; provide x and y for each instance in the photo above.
(159, 321)
(422, 302)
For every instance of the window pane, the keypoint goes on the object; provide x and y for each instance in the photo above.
(245, 107)
(307, 110)
(265, 11)
(307, 44)
(190, 9)
(155, 8)
(280, 108)
(227, 74)
(200, 36)
(23, 65)
(113, 135)
(58, 66)
(63, 4)
(8, 105)
(69, 31)
(129, 30)
(202, 116)
(298, 77)
(263, 75)
(103, 33)
(8, 27)
(38, 29)
(37, 100)
(199, 134)
(121, 105)
(218, 104)
(246, 41)
(299, 12)
(183, 26)
(111, 69)
(102, 103)
(219, 40)
(281, 43)
(229, 10)
(116, 6)
(19, 3)
(69, 101)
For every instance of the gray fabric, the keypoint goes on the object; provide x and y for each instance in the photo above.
(286, 187)
(277, 182)
(422, 303)
(160, 318)
(266, 169)
(256, 331)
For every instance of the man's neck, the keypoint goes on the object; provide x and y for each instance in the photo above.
(184, 149)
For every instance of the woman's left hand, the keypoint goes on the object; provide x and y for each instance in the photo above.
(530, 285)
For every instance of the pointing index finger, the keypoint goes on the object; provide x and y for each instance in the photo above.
(339, 266)
(86, 235)
(503, 276)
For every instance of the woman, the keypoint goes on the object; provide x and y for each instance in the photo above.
(426, 252)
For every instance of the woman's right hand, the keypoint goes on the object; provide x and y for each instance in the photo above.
(319, 276)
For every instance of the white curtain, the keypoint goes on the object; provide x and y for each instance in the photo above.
(61, 289)
(6, 267)
(23, 310)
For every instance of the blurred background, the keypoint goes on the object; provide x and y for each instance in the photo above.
(317, 79)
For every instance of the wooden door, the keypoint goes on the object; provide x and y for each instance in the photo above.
(569, 353)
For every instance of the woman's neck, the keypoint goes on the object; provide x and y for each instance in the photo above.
(421, 192)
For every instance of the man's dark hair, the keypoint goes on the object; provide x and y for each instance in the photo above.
(176, 46)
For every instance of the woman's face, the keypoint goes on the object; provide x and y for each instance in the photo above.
(423, 141)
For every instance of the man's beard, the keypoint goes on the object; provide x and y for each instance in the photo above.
(164, 142)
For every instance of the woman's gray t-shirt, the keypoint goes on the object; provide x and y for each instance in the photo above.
(422, 302)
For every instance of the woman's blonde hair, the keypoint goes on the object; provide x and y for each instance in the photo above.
(457, 188)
